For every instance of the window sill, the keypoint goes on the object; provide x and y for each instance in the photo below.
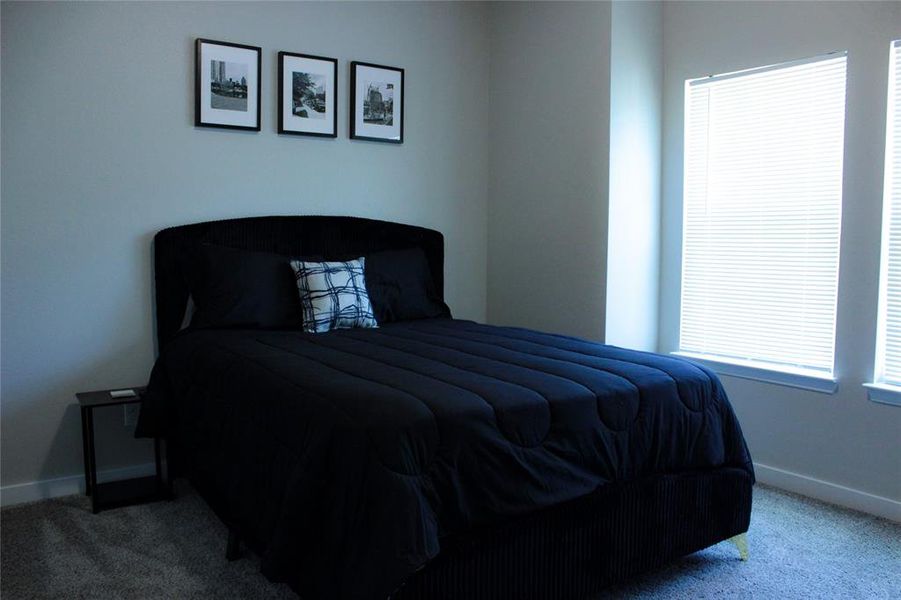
(883, 393)
(797, 378)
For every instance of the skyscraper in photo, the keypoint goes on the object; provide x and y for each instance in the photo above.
(217, 71)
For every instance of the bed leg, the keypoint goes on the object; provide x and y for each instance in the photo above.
(233, 549)
(741, 542)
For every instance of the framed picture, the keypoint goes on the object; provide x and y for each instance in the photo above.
(307, 95)
(376, 103)
(227, 85)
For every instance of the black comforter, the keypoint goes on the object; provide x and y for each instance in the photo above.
(344, 458)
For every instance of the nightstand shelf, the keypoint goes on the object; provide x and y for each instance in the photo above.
(113, 494)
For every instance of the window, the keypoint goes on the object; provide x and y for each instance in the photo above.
(888, 340)
(762, 216)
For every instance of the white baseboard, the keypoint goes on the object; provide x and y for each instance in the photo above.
(793, 482)
(65, 486)
(829, 492)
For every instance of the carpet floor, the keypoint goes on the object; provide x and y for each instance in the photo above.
(800, 548)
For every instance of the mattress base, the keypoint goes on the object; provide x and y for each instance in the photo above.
(575, 550)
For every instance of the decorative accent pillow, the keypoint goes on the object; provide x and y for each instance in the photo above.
(333, 295)
(231, 287)
(401, 288)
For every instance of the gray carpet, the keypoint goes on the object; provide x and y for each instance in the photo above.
(57, 549)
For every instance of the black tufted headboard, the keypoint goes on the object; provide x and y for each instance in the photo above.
(299, 236)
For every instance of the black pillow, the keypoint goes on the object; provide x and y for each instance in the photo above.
(240, 288)
(401, 288)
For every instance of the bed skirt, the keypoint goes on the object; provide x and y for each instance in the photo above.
(573, 551)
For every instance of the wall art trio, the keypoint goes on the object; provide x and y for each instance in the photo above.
(227, 93)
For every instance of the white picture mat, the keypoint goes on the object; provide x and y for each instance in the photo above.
(317, 67)
(208, 114)
(365, 75)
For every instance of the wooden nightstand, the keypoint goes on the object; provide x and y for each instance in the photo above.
(113, 494)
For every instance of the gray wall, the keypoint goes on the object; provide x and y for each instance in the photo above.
(843, 439)
(99, 152)
(547, 223)
(633, 230)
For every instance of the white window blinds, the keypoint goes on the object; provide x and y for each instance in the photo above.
(888, 348)
(762, 215)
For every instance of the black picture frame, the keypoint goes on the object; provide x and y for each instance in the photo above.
(284, 128)
(199, 119)
(357, 132)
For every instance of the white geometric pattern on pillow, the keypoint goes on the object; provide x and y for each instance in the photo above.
(333, 295)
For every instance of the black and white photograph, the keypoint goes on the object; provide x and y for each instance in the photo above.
(377, 103)
(227, 85)
(307, 95)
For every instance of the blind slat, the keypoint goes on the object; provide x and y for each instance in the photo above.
(762, 214)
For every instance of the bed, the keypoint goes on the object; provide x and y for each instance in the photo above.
(435, 458)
